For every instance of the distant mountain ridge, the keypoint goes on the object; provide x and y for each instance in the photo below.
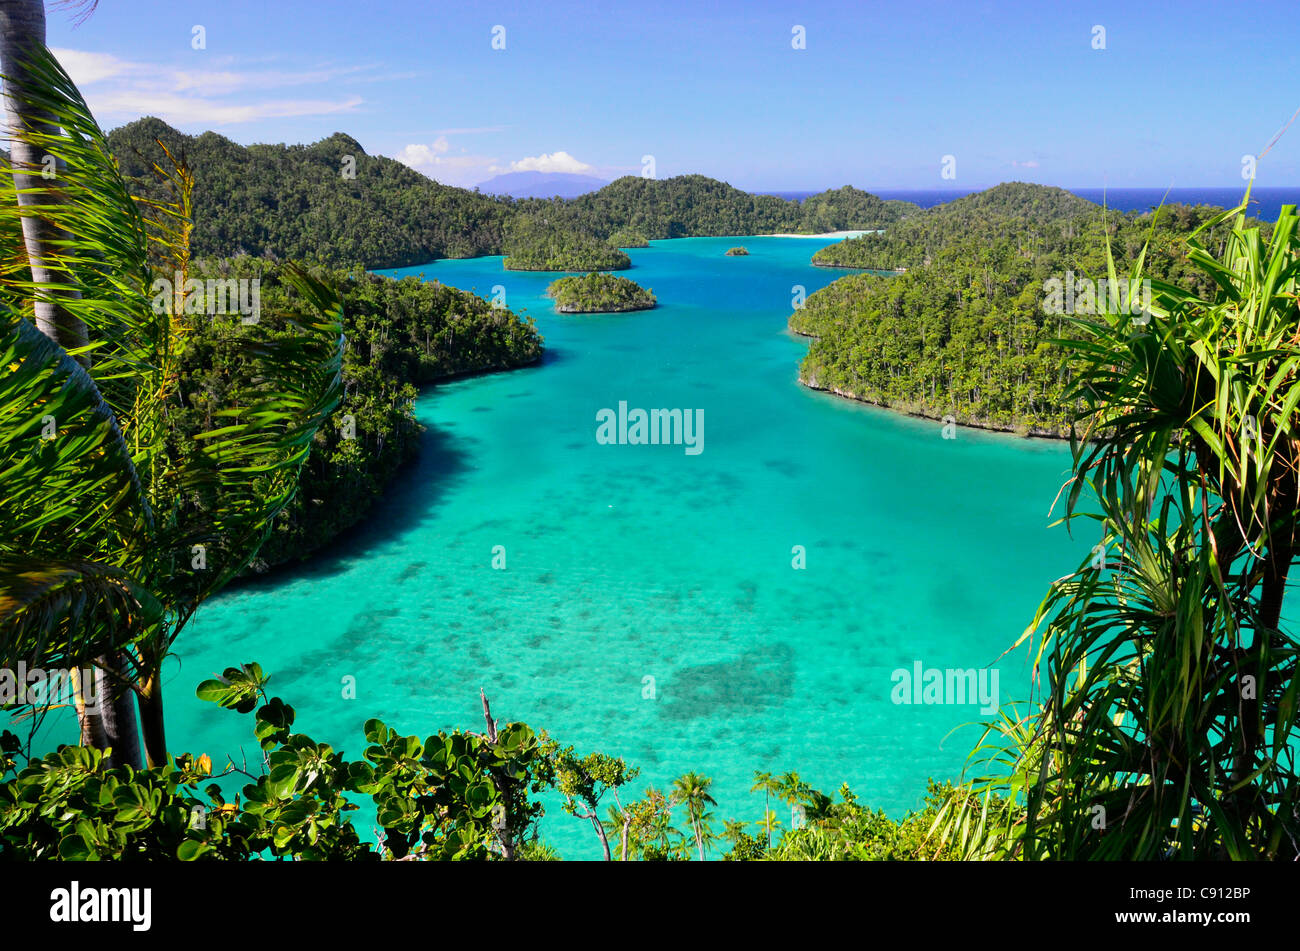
(541, 185)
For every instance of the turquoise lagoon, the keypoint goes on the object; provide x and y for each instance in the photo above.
(629, 562)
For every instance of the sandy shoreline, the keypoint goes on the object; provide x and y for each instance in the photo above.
(828, 234)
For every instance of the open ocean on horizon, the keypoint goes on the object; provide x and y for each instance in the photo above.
(1265, 202)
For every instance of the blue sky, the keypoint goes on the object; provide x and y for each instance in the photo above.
(878, 97)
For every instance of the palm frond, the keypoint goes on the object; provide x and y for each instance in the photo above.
(62, 614)
(102, 251)
(68, 487)
(236, 478)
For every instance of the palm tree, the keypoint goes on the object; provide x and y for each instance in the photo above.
(732, 830)
(22, 43)
(652, 824)
(1171, 684)
(769, 784)
(693, 790)
(99, 525)
(111, 723)
(768, 824)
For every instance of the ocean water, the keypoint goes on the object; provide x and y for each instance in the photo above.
(648, 606)
(1266, 203)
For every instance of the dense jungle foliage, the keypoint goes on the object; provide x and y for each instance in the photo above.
(966, 329)
(331, 203)
(534, 243)
(399, 335)
(599, 293)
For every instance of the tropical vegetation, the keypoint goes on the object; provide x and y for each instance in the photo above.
(455, 795)
(599, 293)
(538, 244)
(114, 531)
(1166, 723)
(399, 335)
(150, 443)
(964, 330)
(332, 203)
(628, 238)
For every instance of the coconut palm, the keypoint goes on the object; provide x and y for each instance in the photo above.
(693, 791)
(1170, 701)
(769, 824)
(113, 531)
(769, 784)
(22, 40)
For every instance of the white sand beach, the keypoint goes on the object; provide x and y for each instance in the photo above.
(828, 234)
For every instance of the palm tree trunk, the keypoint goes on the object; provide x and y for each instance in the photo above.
(22, 35)
(109, 721)
(150, 700)
(767, 812)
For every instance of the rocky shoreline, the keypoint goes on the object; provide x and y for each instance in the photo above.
(1036, 432)
(574, 309)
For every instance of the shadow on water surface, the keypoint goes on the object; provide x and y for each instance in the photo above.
(415, 494)
(752, 682)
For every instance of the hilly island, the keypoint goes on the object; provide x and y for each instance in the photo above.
(942, 316)
(359, 509)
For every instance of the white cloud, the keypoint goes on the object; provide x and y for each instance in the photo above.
(188, 110)
(1031, 163)
(421, 157)
(120, 88)
(436, 160)
(432, 160)
(554, 162)
(87, 68)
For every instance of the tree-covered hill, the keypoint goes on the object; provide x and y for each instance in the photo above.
(332, 203)
(697, 206)
(398, 334)
(599, 294)
(1039, 214)
(309, 203)
(536, 243)
(965, 330)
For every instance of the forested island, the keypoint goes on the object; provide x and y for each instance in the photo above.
(599, 294)
(535, 244)
(628, 238)
(150, 447)
(963, 330)
(331, 203)
(696, 206)
(737, 252)
(399, 335)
